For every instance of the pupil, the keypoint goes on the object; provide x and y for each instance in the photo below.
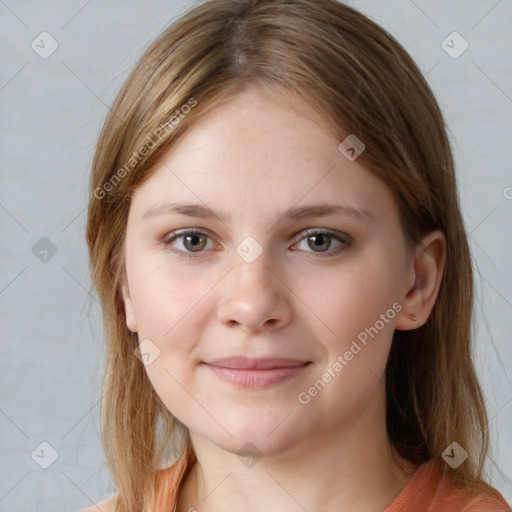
(195, 239)
(323, 239)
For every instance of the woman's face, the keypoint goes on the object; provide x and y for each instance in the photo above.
(270, 322)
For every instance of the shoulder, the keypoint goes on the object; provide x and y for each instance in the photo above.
(431, 489)
(487, 501)
(104, 506)
(477, 500)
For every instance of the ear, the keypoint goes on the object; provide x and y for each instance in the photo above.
(426, 272)
(131, 322)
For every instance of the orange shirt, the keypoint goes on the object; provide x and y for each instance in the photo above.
(422, 494)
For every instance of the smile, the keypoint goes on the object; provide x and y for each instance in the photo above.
(256, 373)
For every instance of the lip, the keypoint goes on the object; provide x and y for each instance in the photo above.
(256, 373)
(260, 363)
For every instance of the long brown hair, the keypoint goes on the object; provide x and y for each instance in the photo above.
(364, 83)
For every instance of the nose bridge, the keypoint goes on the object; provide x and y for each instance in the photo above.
(254, 297)
(253, 276)
(252, 257)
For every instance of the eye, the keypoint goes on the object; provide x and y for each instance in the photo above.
(193, 242)
(323, 240)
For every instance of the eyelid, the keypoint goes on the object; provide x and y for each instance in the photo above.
(345, 239)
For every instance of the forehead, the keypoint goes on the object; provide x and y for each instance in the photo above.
(257, 149)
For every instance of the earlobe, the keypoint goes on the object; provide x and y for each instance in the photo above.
(427, 271)
(131, 322)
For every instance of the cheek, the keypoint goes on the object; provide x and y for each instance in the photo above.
(350, 299)
(357, 307)
(165, 300)
(171, 312)
(353, 372)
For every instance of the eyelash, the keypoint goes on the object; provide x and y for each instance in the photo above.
(345, 240)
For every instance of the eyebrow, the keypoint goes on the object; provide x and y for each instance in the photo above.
(201, 211)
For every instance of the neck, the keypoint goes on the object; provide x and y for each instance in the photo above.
(348, 468)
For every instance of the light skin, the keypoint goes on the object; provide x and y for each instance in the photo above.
(251, 159)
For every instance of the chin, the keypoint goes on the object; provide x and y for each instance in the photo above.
(256, 438)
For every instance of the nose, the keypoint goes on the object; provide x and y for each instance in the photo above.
(254, 297)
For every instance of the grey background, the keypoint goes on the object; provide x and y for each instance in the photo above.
(51, 111)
